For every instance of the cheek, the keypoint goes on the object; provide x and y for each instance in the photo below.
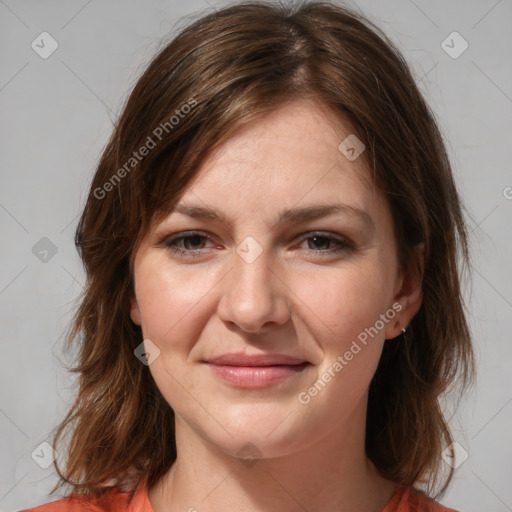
(344, 301)
(176, 303)
(344, 311)
(171, 301)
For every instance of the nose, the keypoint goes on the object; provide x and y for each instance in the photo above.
(254, 296)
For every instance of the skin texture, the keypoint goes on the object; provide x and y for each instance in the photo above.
(298, 297)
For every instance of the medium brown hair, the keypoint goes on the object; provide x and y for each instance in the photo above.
(219, 73)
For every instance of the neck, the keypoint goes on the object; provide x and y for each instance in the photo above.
(333, 474)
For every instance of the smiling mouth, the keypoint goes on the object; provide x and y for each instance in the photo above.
(253, 376)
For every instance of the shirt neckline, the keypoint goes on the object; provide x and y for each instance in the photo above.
(141, 503)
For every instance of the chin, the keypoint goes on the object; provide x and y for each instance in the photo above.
(252, 434)
(252, 448)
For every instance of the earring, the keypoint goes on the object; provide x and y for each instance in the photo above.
(404, 330)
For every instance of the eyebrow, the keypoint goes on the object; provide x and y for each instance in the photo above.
(290, 215)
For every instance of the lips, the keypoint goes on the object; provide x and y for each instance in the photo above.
(255, 360)
(255, 371)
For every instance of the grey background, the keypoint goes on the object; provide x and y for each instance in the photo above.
(56, 116)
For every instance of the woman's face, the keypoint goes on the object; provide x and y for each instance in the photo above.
(268, 297)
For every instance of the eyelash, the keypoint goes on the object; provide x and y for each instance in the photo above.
(343, 244)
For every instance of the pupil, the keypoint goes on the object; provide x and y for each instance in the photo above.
(321, 238)
(194, 239)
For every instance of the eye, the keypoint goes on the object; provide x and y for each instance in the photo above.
(322, 243)
(187, 244)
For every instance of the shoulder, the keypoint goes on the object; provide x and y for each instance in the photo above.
(113, 500)
(407, 499)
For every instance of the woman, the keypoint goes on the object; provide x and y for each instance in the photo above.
(273, 307)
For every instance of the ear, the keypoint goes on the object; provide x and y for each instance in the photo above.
(134, 310)
(408, 294)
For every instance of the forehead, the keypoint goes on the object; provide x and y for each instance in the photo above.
(288, 156)
(300, 131)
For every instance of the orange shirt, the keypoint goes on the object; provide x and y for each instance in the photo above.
(403, 500)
